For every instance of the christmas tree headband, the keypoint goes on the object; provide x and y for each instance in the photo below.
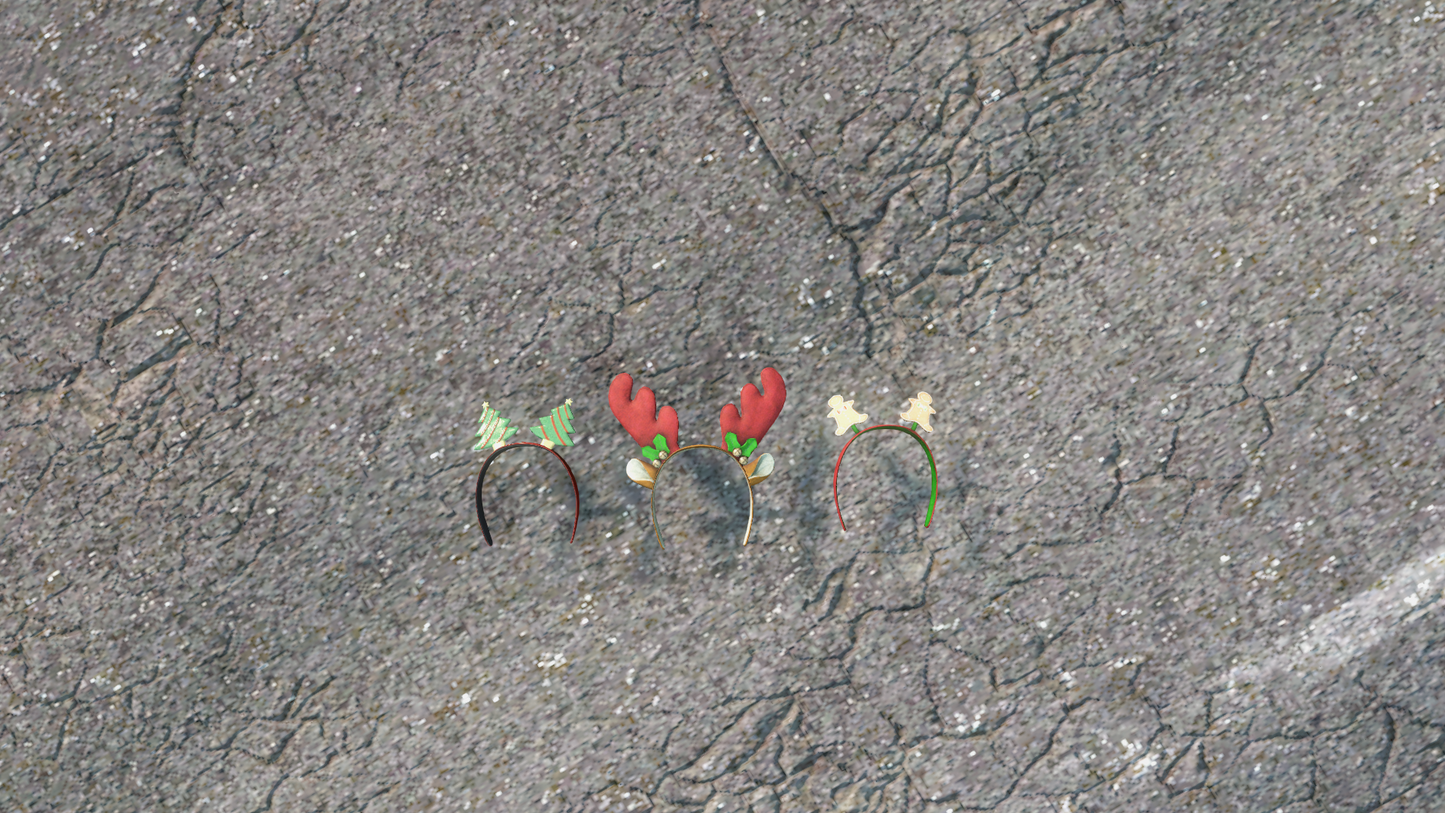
(918, 413)
(555, 430)
(655, 430)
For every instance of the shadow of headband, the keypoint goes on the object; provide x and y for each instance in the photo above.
(655, 430)
(918, 414)
(555, 430)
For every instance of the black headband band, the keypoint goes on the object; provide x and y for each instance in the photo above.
(576, 495)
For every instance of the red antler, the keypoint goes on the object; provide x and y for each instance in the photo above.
(759, 408)
(640, 416)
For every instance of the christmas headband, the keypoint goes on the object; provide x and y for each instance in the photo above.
(655, 430)
(917, 415)
(555, 429)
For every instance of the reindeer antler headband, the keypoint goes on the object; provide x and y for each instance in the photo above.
(555, 429)
(919, 411)
(655, 430)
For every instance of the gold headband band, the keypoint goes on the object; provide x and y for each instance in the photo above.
(750, 476)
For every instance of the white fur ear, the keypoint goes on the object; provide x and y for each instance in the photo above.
(641, 473)
(761, 470)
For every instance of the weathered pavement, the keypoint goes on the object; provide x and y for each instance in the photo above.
(1172, 276)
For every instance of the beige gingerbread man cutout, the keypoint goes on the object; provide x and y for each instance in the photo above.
(843, 413)
(919, 411)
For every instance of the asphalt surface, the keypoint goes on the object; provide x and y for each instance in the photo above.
(1171, 273)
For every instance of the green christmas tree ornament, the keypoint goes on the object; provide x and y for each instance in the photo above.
(492, 429)
(555, 429)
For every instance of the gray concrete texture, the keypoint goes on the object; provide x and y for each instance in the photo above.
(1172, 272)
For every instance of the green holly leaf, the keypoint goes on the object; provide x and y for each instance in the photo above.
(657, 449)
(739, 449)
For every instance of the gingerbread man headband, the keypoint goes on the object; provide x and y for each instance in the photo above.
(655, 430)
(918, 414)
(555, 430)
